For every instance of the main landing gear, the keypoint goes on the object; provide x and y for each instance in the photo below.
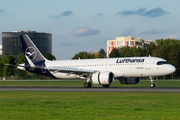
(88, 83)
(152, 84)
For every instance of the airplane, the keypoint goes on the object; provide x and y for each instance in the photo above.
(128, 70)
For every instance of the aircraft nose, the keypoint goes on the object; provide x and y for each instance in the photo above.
(172, 69)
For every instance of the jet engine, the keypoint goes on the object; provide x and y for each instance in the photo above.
(103, 78)
(129, 80)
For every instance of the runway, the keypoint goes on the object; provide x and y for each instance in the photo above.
(93, 89)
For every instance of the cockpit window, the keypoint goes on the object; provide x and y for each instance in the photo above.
(162, 63)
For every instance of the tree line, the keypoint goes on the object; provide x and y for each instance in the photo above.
(90, 55)
(11, 71)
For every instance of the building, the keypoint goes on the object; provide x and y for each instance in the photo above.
(120, 42)
(11, 44)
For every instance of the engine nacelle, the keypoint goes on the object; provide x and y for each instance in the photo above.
(129, 80)
(103, 78)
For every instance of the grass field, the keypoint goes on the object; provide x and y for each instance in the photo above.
(89, 106)
(146, 83)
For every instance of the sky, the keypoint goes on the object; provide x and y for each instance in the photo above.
(86, 25)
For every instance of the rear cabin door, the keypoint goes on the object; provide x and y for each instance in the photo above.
(43, 70)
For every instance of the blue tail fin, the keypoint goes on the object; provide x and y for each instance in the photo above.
(32, 54)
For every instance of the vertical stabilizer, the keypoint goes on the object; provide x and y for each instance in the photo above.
(32, 54)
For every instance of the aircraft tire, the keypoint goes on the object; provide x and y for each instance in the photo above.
(152, 85)
(87, 84)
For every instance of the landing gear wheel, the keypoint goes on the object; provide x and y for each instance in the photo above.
(87, 84)
(152, 85)
(105, 86)
(90, 84)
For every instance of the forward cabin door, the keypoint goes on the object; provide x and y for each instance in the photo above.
(148, 63)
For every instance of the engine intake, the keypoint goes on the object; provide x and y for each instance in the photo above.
(103, 78)
(129, 80)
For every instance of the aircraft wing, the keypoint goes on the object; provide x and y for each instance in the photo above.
(70, 70)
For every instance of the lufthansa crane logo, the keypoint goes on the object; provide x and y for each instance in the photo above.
(31, 53)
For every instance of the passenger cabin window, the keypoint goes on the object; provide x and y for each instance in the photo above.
(162, 63)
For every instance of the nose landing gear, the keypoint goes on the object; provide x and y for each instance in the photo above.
(152, 84)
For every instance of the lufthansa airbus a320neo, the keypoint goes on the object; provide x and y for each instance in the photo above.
(128, 70)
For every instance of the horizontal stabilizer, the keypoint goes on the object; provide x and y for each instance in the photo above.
(23, 66)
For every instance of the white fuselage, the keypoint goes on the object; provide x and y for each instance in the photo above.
(120, 67)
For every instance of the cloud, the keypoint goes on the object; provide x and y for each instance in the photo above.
(99, 15)
(83, 31)
(140, 11)
(128, 32)
(66, 13)
(156, 12)
(150, 31)
(173, 36)
(2, 11)
(67, 44)
(155, 31)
